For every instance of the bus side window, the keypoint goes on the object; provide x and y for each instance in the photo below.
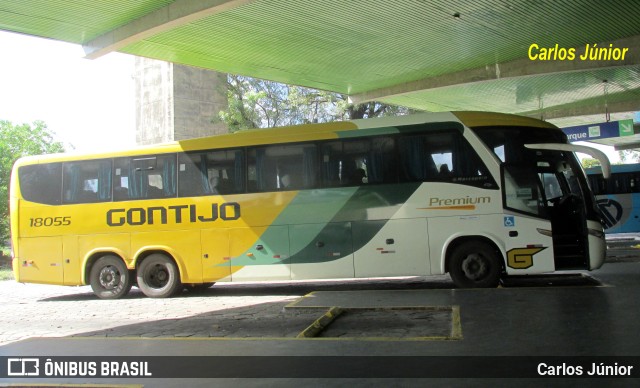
(211, 173)
(331, 163)
(41, 183)
(602, 185)
(442, 155)
(121, 179)
(225, 172)
(145, 177)
(359, 161)
(382, 161)
(87, 181)
(417, 163)
(282, 167)
(356, 164)
(619, 184)
(597, 183)
(192, 177)
(263, 171)
(162, 180)
(634, 182)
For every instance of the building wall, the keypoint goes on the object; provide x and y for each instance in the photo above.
(198, 96)
(176, 102)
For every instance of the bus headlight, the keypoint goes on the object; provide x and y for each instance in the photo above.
(545, 232)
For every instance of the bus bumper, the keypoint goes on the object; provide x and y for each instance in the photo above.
(597, 245)
(16, 268)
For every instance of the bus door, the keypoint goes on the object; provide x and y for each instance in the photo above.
(578, 238)
(566, 209)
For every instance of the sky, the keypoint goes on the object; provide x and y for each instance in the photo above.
(88, 104)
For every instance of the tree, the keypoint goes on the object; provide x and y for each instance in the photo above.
(590, 162)
(255, 103)
(17, 141)
(629, 156)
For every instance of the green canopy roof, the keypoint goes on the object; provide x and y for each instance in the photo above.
(426, 54)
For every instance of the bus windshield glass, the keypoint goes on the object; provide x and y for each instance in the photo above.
(535, 181)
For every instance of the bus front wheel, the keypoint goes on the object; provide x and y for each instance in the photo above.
(158, 276)
(475, 264)
(110, 278)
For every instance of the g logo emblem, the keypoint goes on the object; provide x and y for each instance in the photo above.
(521, 258)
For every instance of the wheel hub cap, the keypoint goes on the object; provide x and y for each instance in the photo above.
(109, 278)
(474, 267)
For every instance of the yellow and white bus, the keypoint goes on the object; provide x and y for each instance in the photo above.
(477, 195)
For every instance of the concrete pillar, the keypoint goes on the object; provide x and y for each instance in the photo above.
(176, 102)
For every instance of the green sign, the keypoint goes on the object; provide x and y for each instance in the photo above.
(625, 127)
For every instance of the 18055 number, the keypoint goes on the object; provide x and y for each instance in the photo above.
(49, 221)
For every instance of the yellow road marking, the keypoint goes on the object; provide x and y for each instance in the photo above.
(321, 323)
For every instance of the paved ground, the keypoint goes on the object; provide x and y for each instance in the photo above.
(225, 310)
(551, 316)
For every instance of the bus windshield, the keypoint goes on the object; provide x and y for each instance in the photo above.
(536, 180)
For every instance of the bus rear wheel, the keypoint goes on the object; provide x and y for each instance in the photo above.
(110, 278)
(475, 264)
(158, 276)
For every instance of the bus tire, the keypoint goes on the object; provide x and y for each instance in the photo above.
(158, 276)
(475, 264)
(110, 278)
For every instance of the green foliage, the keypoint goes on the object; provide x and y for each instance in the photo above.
(629, 156)
(17, 141)
(6, 273)
(255, 103)
(589, 162)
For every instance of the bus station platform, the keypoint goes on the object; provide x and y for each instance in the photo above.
(590, 315)
(618, 240)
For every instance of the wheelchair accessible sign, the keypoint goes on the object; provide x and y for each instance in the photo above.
(509, 221)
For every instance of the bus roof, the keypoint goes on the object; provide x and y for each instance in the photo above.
(483, 119)
(304, 132)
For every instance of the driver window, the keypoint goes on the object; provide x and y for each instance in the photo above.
(521, 190)
(574, 185)
(551, 186)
